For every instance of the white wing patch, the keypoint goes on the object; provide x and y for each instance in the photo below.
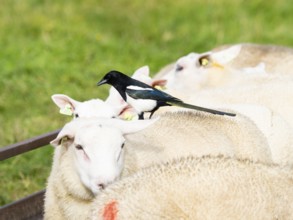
(141, 105)
(138, 88)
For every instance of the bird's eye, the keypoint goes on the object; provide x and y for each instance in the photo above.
(76, 115)
(79, 147)
(204, 61)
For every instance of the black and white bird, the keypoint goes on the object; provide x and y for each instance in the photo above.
(144, 98)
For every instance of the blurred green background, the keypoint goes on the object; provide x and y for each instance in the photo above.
(52, 46)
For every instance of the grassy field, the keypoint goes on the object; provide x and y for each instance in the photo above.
(49, 47)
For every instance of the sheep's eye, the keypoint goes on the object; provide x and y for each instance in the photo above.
(79, 147)
(204, 61)
(76, 115)
(178, 68)
(122, 146)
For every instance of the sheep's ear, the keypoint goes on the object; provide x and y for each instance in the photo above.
(142, 74)
(66, 104)
(128, 127)
(64, 141)
(145, 70)
(226, 55)
(65, 136)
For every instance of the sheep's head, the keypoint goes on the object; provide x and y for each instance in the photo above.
(97, 146)
(195, 70)
(86, 109)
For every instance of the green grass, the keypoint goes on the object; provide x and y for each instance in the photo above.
(49, 47)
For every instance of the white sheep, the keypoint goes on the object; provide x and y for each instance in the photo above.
(271, 92)
(227, 66)
(86, 109)
(88, 156)
(235, 138)
(75, 179)
(181, 133)
(200, 188)
(276, 58)
(209, 70)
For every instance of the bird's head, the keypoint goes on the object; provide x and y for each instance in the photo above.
(111, 78)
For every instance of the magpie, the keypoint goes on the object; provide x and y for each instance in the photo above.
(144, 98)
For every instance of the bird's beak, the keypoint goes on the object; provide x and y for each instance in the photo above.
(103, 81)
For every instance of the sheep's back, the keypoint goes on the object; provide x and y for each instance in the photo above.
(181, 134)
(200, 188)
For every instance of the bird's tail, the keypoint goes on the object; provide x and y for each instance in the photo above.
(185, 105)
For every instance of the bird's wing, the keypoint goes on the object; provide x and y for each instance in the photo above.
(150, 93)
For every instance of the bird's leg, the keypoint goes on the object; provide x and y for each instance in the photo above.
(140, 116)
(159, 104)
(152, 112)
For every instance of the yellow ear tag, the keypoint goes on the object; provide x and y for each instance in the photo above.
(215, 64)
(128, 116)
(160, 87)
(67, 110)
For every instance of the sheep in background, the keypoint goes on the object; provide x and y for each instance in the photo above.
(200, 188)
(226, 66)
(271, 93)
(88, 156)
(209, 70)
(277, 59)
(86, 109)
(274, 93)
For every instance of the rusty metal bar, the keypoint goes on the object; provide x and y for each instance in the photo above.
(27, 145)
(28, 208)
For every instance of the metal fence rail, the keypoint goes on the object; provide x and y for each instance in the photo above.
(28, 208)
(32, 206)
(27, 145)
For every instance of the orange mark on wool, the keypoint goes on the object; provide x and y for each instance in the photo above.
(110, 211)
